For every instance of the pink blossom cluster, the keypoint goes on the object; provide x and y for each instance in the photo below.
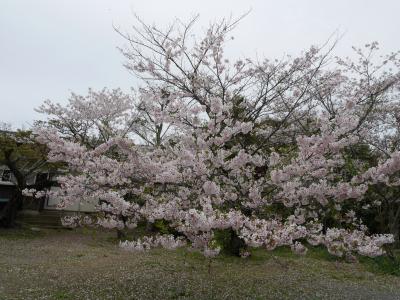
(165, 241)
(342, 241)
(76, 220)
(34, 193)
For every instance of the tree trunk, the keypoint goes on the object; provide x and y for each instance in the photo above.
(10, 211)
(235, 244)
(9, 214)
(121, 234)
(394, 224)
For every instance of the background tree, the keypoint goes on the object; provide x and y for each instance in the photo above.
(24, 156)
(101, 115)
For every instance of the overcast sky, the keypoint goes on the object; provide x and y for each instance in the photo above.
(49, 48)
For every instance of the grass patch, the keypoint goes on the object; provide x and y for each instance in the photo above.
(382, 264)
(63, 295)
(22, 233)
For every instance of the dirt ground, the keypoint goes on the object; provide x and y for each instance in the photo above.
(89, 265)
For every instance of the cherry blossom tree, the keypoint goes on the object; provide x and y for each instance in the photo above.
(258, 149)
(92, 119)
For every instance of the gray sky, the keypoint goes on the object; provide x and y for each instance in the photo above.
(49, 48)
